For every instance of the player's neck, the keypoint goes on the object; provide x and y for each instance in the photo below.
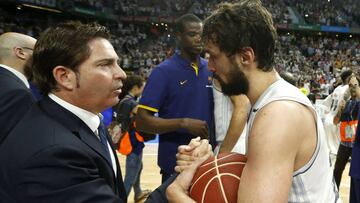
(190, 57)
(259, 83)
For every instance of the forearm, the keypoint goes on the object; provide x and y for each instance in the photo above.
(175, 194)
(235, 129)
(155, 125)
(147, 122)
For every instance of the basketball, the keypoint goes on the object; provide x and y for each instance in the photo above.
(217, 179)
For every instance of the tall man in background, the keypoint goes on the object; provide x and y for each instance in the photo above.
(179, 90)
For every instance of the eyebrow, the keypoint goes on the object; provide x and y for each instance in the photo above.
(208, 51)
(194, 31)
(107, 60)
(32, 49)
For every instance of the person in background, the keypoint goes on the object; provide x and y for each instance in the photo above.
(355, 168)
(179, 90)
(332, 102)
(15, 96)
(347, 116)
(131, 143)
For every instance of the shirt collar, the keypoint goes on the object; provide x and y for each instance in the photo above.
(185, 62)
(17, 73)
(90, 119)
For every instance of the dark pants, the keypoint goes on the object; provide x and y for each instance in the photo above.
(164, 176)
(342, 158)
(133, 173)
(355, 191)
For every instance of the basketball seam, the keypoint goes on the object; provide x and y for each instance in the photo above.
(215, 177)
(214, 164)
(218, 176)
(217, 159)
(208, 171)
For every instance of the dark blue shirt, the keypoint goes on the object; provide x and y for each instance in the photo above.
(355, 157)
(176, 90)
(350, 113)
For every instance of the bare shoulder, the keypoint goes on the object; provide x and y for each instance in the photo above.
(283, 112)
(282, 126)
(277, 146)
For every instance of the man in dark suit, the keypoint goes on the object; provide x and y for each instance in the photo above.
(15, 97)
(60, 151)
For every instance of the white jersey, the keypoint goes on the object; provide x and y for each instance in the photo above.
(312, 183)
(336, 97)
(332, 131)
(223, 109)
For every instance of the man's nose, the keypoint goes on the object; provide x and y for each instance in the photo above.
(211, 66)
(120, 73)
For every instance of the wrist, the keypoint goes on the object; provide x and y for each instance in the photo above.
(175, 193)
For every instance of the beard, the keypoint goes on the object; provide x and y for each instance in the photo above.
(236, 84)
(28, 69)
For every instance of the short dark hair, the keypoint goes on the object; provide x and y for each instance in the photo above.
(243, 24)
(130, 82)
(288, 77)
(185, 19)
(345, 75)
(66, 44)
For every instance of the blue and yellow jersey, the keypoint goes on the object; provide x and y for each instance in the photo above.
(178, 89)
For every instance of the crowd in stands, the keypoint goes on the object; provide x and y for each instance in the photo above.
(315, 60)
(139, 49)
(278, 11)
(277, 8)
(92, 4)
(343, 13)
(152, 7)
(352, 9)
(333, 13)
(22, 24)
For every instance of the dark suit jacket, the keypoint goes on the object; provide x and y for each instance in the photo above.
(15, 100)
(355, 156)
(53, 156)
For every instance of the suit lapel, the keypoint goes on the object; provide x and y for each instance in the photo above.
(75, 124)
(81, 130)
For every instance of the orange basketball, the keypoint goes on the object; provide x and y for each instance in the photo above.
(217, 179)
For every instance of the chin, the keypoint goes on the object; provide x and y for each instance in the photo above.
(196, 51)
(115, 101)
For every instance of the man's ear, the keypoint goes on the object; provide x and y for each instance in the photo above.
(19, 52)
(65, 77)
(245, 56)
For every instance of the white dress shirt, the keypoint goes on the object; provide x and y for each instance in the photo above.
(90, 119)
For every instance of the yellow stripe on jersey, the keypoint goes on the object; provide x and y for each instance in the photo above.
(148, 108)
(196, 68)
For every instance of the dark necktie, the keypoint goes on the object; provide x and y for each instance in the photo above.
(103, 140)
